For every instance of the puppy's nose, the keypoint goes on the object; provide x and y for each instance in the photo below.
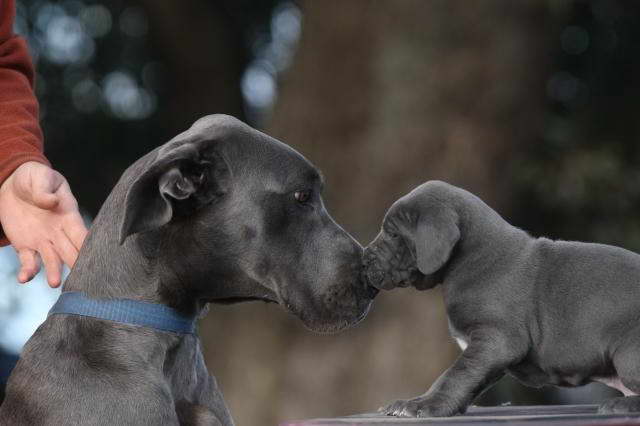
(372, 277)
(369, 291)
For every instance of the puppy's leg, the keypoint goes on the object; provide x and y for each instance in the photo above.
(627, 364)
(482, 363)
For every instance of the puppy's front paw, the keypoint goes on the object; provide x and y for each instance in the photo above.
(625, 404)
(419, 407)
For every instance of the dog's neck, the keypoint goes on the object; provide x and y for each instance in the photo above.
(133, 270)
(483, 233)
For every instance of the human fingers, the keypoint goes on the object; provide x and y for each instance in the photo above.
(65, 249)
(52, 264)
(29, 265)
(44, 184)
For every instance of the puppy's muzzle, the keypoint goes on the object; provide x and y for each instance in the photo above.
(373, 278)
(372, 275)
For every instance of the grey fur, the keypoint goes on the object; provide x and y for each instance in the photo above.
(208, 217)
(546, 312)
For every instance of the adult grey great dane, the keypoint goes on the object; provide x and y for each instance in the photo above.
(221, 213)
(547, 312)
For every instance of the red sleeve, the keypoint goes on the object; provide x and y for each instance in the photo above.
(20, 133)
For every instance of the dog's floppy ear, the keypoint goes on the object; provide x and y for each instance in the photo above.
(189, 174)
(436, 235)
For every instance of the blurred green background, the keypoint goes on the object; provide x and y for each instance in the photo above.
(532, 105)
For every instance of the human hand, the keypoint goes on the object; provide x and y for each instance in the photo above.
(39, 216)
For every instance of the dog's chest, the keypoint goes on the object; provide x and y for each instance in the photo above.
(462, 343)
(459, 337)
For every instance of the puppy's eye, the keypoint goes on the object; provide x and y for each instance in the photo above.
(302, 196)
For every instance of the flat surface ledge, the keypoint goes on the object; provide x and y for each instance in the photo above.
(530, 415)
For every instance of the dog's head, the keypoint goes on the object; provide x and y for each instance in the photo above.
(417, 237)
(238, 215)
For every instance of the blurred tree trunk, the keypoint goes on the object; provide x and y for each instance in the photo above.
(386, 95)
(205, 60)
(383, 96)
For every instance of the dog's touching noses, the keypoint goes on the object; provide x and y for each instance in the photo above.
(372, 273)
(369, 281)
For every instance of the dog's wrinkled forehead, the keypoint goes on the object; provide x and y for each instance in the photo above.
(399, 214)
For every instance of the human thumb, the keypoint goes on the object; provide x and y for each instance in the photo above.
(43, 188)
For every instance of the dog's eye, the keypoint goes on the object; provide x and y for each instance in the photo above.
(302, 196)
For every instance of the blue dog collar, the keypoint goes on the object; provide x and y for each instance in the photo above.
(125, 311)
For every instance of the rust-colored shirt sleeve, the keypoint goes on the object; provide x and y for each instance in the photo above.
(20, 133)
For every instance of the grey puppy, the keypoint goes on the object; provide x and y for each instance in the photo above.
(221, 213)
(546, 312)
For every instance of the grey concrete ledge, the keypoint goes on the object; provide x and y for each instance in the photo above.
(561, 415)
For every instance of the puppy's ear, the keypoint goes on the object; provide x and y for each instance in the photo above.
(436, 235)
(183, 176)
